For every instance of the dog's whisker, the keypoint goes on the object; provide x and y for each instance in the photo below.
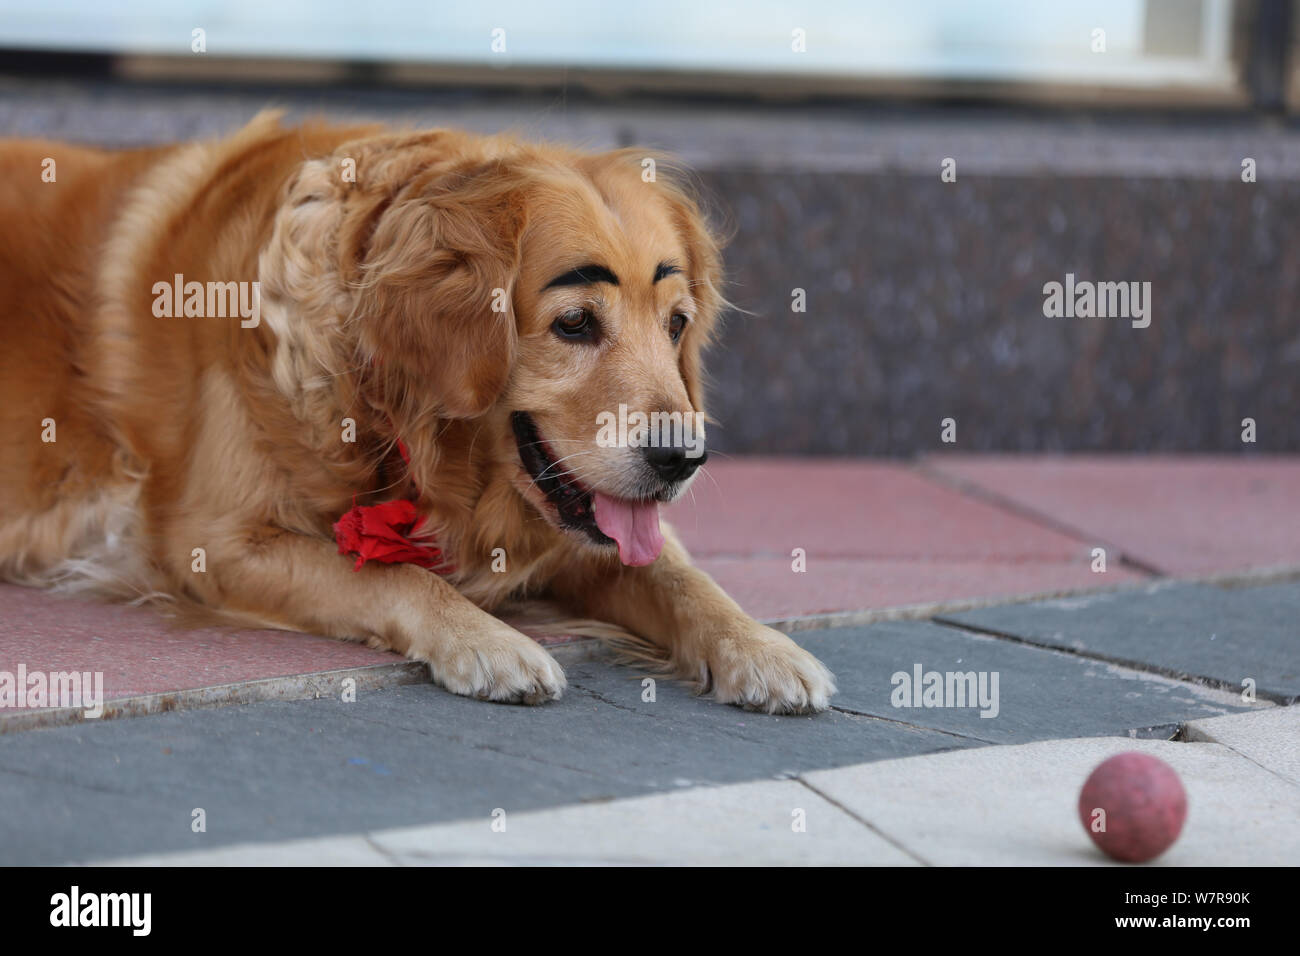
(469, 457)
(576, 454)
(554, 441)
(559, 474)
(544, 472)
(391, 484)
(707, 474)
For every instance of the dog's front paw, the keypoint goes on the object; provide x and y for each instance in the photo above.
(762, 669)
(499, 664)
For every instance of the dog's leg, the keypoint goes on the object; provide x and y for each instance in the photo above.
(704, 633)
(304, 584)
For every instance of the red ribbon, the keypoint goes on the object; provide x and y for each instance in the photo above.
(384, 533)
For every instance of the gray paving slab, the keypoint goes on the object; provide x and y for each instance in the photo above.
(403, 756)
(1223, 635)
(1270, 738)
(1040, 694)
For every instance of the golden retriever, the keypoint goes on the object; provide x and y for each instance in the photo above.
(230, 368)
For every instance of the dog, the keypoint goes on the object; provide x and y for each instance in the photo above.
(345, 380)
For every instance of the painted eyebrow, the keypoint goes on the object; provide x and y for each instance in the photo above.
(584, 275)
(666, 269)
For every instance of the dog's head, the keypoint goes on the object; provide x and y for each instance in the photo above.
(559, 300)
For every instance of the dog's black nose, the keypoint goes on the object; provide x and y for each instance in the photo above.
(672, 463)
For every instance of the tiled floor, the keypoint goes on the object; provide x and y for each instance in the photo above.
(854, 509)
(608, 776)
(1129, 657)
(139, 651)
(1178, 515)
(871, 535)
(917, 810)
(768, 589)
(996, 806)
(1245, 639)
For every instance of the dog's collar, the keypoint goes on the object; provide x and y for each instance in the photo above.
(389, 533)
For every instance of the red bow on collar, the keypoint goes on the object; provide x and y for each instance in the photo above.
(384, 533)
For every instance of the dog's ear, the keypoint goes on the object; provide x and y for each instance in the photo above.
(435, 261)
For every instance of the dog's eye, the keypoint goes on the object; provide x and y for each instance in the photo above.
(578, 324)
(676, 325)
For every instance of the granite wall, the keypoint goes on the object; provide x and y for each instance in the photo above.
(924, 299)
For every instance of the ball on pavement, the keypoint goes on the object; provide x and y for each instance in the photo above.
(1133, 806)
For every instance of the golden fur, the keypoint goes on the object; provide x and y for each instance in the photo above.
(175, 434)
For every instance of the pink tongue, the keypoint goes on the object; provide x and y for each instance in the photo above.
(633, 524)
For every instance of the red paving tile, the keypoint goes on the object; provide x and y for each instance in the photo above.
(1180, 515)
(842, 508)
(767, 588)
(139, 652)
(876, 534)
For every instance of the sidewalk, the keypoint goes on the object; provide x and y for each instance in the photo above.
(951, 563)
(998, 806)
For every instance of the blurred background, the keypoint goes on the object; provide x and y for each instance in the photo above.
(1105, 139)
